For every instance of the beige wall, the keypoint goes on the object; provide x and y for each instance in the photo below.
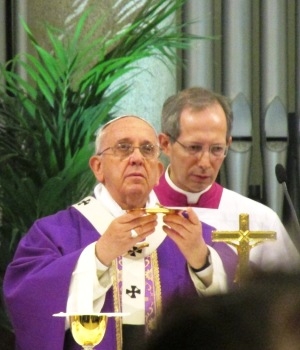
(148, 90)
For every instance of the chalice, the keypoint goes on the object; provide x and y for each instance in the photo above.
(88, 329)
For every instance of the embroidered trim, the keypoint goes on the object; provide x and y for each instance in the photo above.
(117, 306)
(153, 285)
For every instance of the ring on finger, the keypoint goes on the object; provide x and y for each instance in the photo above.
(133, 233)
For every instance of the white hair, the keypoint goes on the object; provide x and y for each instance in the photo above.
(104, 126)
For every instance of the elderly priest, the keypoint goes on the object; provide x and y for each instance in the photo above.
(112, 252)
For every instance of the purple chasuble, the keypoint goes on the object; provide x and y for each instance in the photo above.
(36, 282)
(210, 199)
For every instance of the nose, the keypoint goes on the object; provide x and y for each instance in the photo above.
(203, 158)
(136, 156)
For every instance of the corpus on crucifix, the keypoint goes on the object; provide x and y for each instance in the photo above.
(243, 239)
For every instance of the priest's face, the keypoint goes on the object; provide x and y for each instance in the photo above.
(199, 151)
(129, 166)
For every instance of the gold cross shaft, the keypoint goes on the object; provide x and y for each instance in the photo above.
(243, 240)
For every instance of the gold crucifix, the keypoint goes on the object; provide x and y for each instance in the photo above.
(243, 240)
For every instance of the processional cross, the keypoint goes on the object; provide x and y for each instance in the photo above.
(243, 240)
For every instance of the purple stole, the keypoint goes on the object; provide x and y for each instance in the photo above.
(211, 199)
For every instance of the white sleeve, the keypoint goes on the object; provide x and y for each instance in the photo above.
(88, 284)
(280, 254)
(219, 277)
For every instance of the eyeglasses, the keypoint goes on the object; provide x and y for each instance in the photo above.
(123, 150)
(215, 151)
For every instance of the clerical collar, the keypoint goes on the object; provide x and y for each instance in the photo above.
(192, 197)
(102, 194)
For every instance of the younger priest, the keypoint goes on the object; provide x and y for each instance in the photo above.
(196, 134)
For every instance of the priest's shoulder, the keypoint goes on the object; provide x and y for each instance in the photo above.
(235, 199)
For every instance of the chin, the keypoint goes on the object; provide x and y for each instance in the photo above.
(138, 196)
(197, 188)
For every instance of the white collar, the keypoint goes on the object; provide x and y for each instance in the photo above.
(192, 197)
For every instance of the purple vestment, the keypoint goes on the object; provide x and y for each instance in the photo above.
(210, 199)
(36, 283)
(169, 197)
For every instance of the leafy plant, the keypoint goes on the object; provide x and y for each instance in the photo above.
(48, 119)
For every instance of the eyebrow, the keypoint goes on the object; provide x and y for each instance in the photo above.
(128, 140)
(202, 143)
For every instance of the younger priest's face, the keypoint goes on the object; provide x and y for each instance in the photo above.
(128, 179)
(207, 128)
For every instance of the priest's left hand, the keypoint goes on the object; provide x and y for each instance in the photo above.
(186, 232)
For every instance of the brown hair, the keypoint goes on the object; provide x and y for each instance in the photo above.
(195, 98)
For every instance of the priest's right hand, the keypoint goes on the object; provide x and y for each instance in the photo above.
(120, 235)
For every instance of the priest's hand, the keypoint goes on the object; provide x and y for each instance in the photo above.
(185, 230)
(123, 233)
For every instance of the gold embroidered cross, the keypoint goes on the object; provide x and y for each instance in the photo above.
(243, 240)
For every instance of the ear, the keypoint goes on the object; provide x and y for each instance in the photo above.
(160, 170)
(96, 165)
(164, 142)
(229, 141)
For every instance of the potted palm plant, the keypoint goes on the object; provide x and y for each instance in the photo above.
(48, 120)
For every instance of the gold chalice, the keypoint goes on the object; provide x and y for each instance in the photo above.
(88, 330)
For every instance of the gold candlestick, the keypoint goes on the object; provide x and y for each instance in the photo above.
(243, 240)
